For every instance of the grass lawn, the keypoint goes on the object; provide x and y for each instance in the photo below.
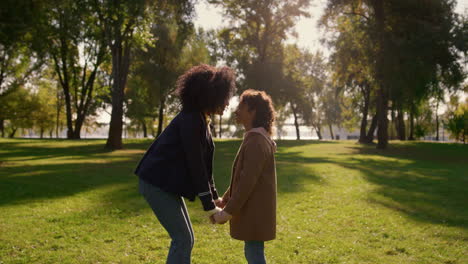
(338, 202)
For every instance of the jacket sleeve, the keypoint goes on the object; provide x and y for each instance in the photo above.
(226, 195)
(192, 133)
(213, 190)
(254, 157)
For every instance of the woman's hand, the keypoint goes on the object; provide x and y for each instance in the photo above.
(220, 203)
(212, 212)
(222, 217)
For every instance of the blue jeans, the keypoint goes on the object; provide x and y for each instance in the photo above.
(254, 252)
(172, 213)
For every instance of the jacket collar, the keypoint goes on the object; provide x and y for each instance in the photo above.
(264, 133)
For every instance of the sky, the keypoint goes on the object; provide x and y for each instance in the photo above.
(210, 17)
(309, 34)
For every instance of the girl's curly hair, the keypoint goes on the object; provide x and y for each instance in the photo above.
(205, 88)
(260, 102)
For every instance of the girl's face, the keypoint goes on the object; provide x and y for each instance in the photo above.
(244, 116)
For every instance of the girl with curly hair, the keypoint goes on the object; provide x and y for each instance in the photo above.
(179, 163)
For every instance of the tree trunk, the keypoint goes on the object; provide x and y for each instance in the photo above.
(296, 123)
(152, 130)
(57, 117)
(365, 113)
(85, 100)
(145, 130)
(401, 125)
(382, 93)
(120, 65)
(13, 132)
(77, 131)
(411, 119)
(370, 133)
(41, 133)
(161, 115)
(331, 131)
(51, 133)
(2, 127)
(319, 133)
(220, 125)
(393, 125)
(437, 120)
(61, 68)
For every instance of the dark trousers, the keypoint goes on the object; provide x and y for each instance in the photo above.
(255, 252)
(172, 213)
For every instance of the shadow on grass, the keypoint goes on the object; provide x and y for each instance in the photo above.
(37, 170)
(426, 181)
(29, 172)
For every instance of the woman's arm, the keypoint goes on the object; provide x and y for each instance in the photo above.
(191, 132)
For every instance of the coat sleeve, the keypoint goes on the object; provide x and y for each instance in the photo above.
(253, 162)
(214, 191)
(192, 133)
(226, 195)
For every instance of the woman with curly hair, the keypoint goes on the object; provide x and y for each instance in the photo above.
(179, 162)
(250, 201)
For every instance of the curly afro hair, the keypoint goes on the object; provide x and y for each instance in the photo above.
(205, 88)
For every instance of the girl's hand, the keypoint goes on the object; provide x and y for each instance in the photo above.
(222, 217)
(220, 203)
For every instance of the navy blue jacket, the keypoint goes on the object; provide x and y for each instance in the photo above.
(180, 160)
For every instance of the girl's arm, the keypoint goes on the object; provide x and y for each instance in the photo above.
(254, 158)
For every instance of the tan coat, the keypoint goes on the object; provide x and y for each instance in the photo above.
(251, 197)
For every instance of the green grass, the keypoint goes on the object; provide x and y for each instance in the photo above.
(73, 202)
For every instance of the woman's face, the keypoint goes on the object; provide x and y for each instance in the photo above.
(221, 109)
(243, 115)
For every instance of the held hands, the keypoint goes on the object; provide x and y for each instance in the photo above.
(212, 212)
(220, 203)
(217, 215)
(221, 217)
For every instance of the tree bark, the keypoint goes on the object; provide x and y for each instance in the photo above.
(393, 125)
(318, 131)
(411, 119)
(77, 131)
(86, 98)
(331, 131)
(382, 93)
(437, 120)
(13, 132)
(145, 130)
(370, 133)
(401, 125)
(162, 104)
(220, 125)
(2, 127)
(57, 117)
(296, 123)
(120, 50)
(365, 113)
(64, 81)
